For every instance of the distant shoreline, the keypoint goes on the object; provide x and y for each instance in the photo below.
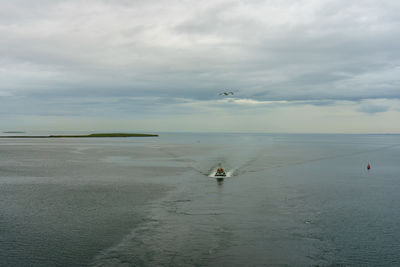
(95, 135)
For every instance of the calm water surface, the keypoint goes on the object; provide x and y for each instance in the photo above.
(292, 200)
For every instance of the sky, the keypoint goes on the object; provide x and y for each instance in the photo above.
(295, 66)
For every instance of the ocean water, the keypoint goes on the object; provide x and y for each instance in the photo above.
(289, 200)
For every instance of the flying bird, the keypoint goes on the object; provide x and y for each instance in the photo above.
(226, 93)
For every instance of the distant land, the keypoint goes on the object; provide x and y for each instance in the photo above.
(14, 132)
(83, 135)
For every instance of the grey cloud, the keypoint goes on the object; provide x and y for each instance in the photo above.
(372, 109)
(266, 50)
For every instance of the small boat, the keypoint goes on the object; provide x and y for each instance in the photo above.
(220, 172)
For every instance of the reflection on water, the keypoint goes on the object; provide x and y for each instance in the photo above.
(298, 200)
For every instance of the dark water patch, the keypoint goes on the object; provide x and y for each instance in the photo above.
(48, 224)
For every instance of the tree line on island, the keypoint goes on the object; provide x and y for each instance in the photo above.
(85, 135)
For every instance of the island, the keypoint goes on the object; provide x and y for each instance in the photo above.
(94, 135)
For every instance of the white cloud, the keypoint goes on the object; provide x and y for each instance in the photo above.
(251, 102)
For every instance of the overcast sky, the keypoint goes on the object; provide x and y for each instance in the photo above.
(294, 65)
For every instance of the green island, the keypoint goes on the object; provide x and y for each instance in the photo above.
(94, 135)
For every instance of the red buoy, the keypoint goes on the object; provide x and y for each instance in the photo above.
(368, 166)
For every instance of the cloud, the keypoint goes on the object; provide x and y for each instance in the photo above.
(374, 106)
(4, 94)
(372, 109)
(135, 58)
(251, 102)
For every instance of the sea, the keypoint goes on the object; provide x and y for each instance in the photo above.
(288, 200)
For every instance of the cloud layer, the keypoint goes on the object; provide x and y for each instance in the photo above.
(135, 59)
